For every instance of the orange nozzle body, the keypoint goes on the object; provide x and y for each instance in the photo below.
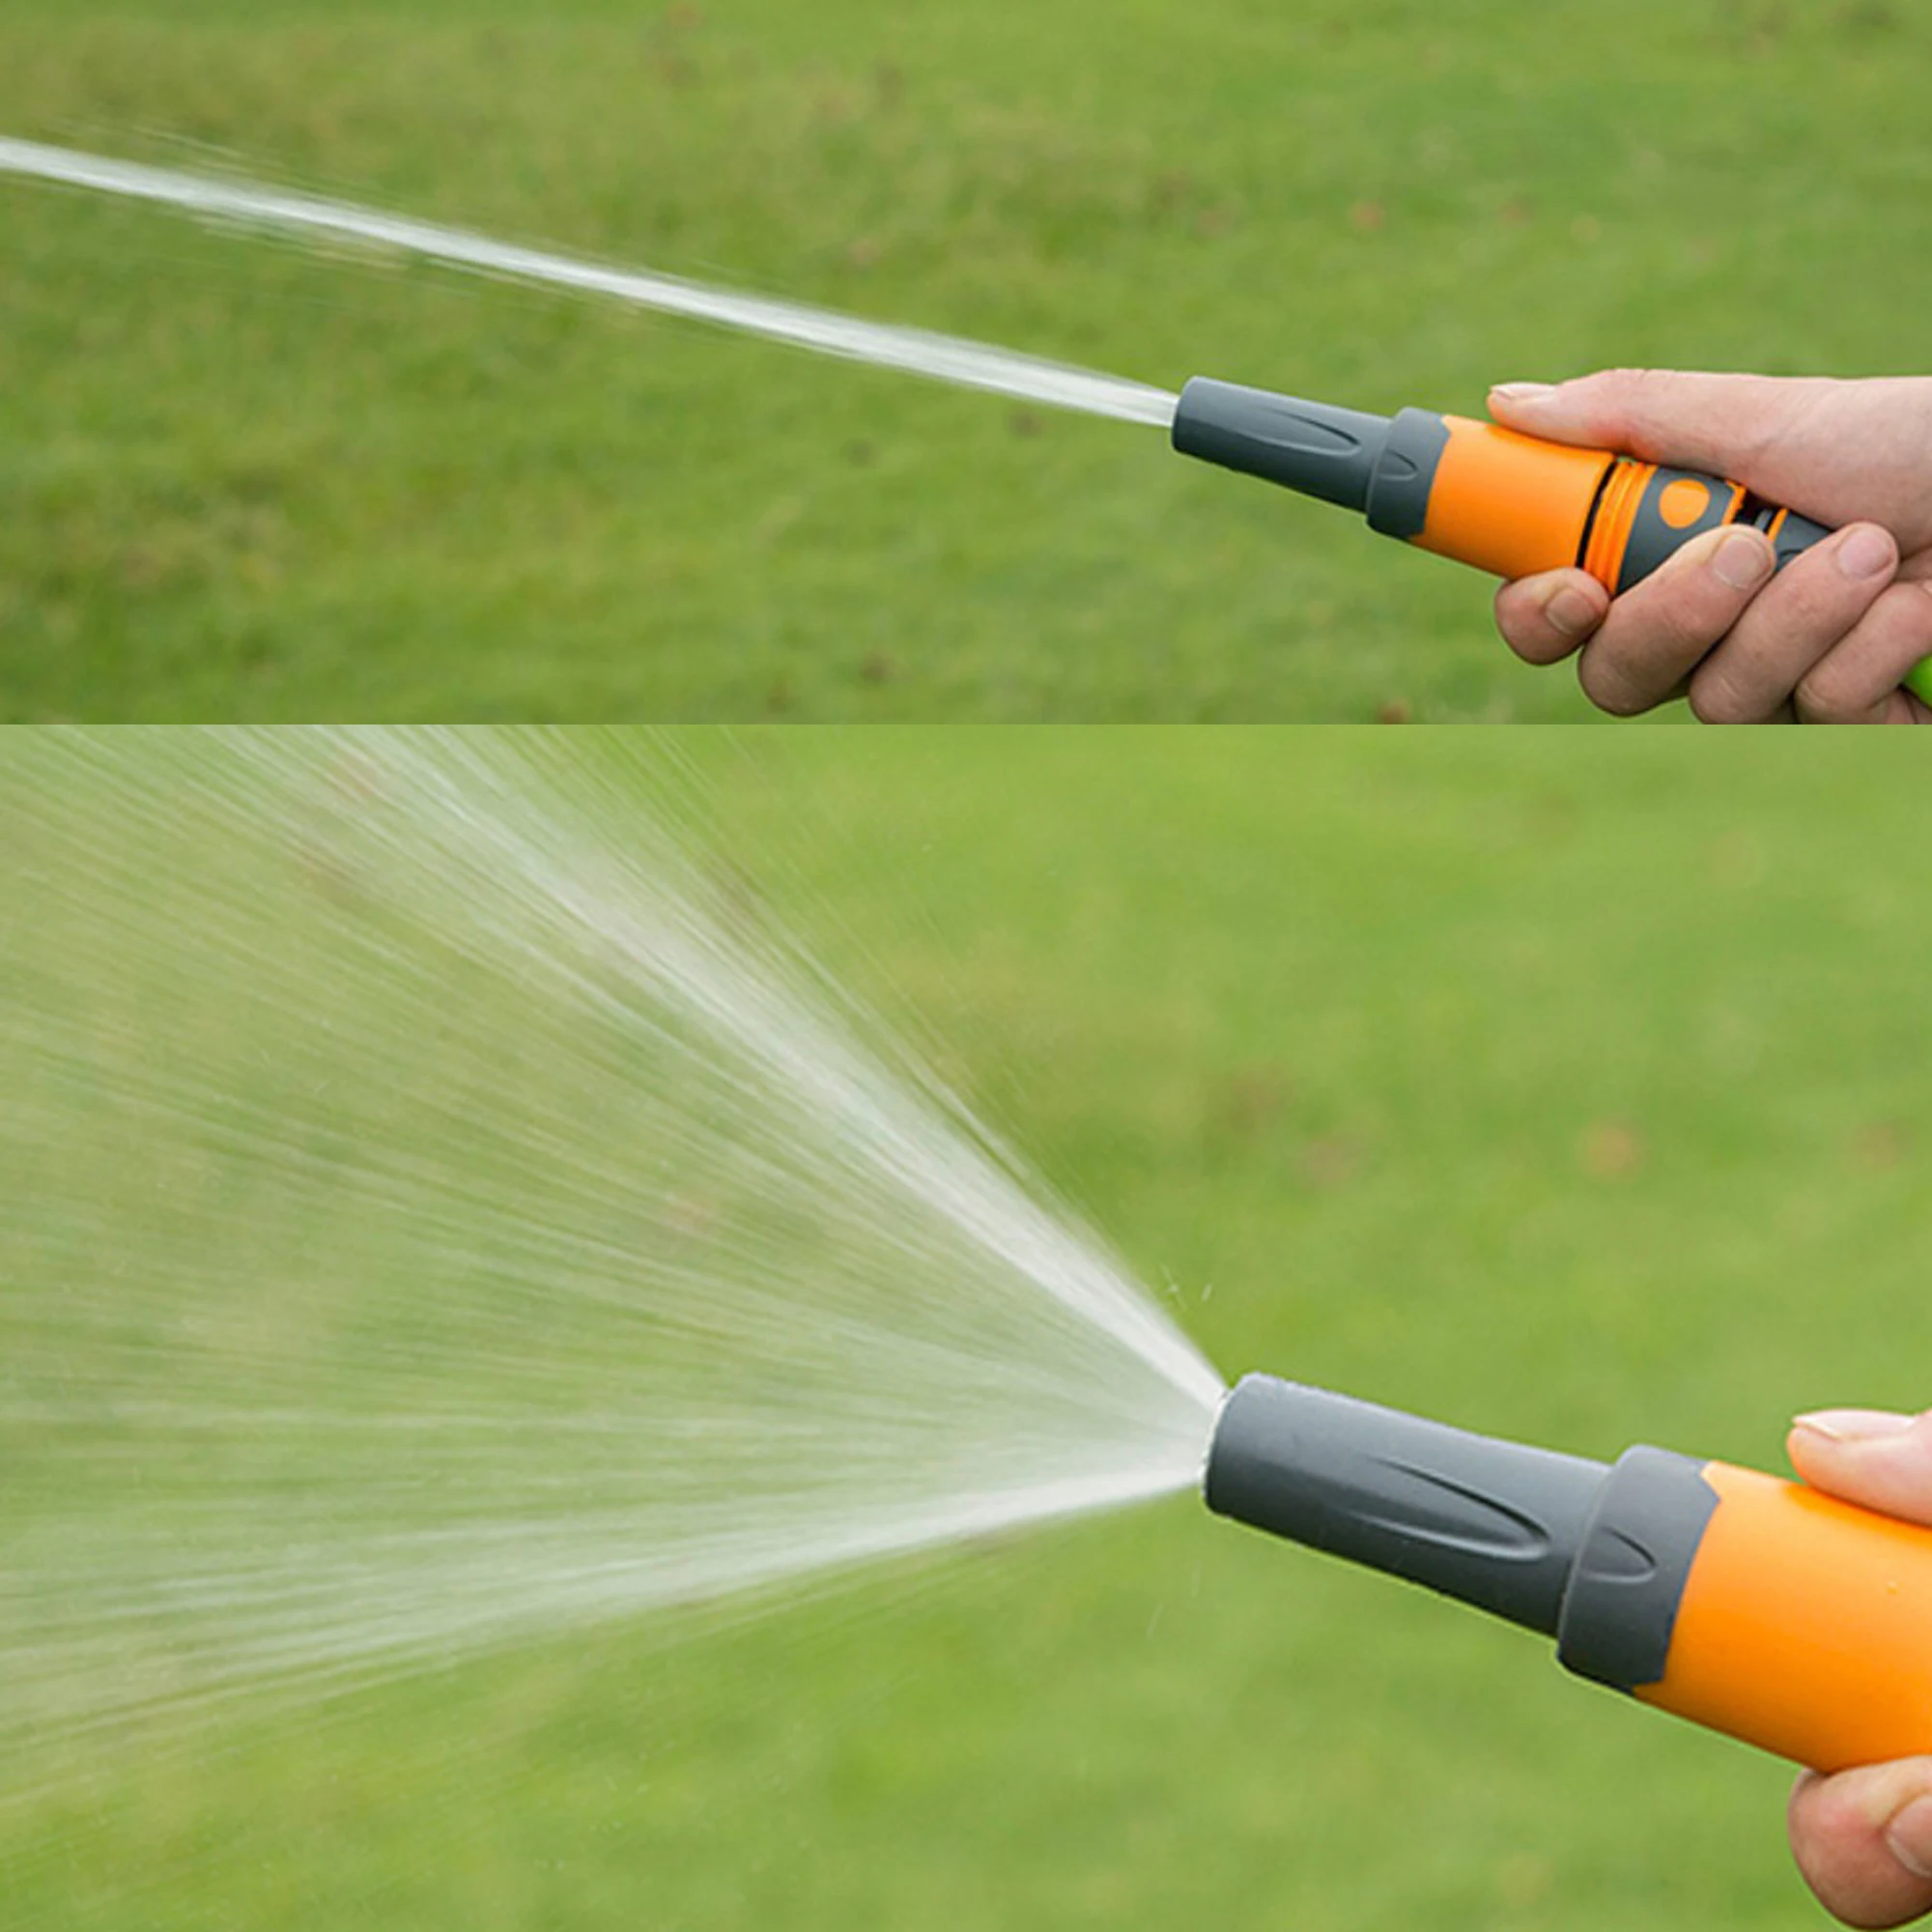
(1511, 504)
(1515, 505)
(1804, 1626)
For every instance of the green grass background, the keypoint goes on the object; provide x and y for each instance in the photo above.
(1560, 1086)
(240, 481)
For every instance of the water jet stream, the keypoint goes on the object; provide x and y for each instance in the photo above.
(944, 358)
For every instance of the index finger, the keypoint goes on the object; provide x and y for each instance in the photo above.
(1869, 1455)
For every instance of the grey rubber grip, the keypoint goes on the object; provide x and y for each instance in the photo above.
(1314, 448)
(1496, 1524)
(1620, 1608)
(1593, 1555)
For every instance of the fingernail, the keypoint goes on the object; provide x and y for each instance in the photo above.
(1854, 1424)
(1571, 611)
(1865, 553)
(1742, 560)
(1521, 393)
(1909, 1836)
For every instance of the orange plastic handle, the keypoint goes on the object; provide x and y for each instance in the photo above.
(1515, 506)
(1511, 504)
(1805, 1627)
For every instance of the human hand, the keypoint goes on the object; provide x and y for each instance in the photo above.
(1826, 641)
(1863, 1838)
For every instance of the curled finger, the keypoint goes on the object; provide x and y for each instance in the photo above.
(1811, 606)
(1859, 681)
(1543, 618)
(1659, 631)
(1863, 1841)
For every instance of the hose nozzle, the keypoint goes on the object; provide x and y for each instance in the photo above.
(1753, 1605)
(1508, 504)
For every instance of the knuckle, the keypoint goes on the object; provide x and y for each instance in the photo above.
(1685, 619)
(1820, 700)
(1846, 683)
(1639, 381)
(1714, 699)
(1644, 398)
(1627, 380)
(1825, 693)
(1909, 607)
(1607, 686)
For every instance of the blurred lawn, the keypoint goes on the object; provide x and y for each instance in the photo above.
(1570, 1087)
(238, 480)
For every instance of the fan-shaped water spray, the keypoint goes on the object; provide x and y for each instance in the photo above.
(440, 1213)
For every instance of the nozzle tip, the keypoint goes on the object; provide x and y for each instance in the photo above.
(1315, 447)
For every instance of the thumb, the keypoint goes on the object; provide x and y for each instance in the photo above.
(1864, 1840)
(1867, 1456)
(1721, 423)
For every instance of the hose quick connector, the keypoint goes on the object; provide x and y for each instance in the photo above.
(1591, 1554)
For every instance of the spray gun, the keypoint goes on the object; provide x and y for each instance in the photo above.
(1758, 1607)
(1505, 503)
